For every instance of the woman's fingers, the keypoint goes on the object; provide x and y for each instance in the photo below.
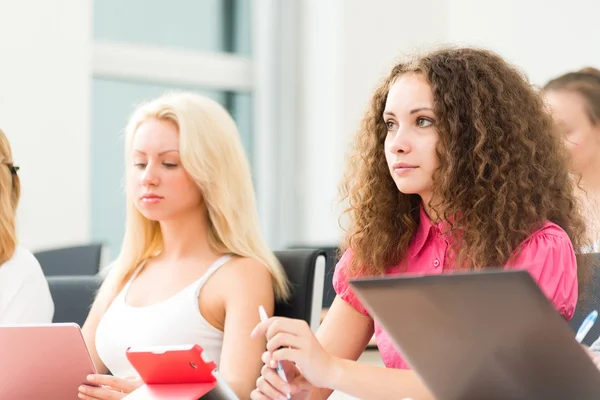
(271, 385)
(283, 339)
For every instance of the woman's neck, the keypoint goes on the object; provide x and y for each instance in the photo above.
(588, 192)
(590, 178)
(186, 235)
(434, 214)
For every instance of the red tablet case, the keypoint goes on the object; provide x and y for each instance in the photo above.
(175, 373)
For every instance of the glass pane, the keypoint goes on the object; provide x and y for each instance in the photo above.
(206, 25)
(241, 27)
(112, 103)
(240, 107)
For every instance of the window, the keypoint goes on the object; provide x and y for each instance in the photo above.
(143, 48)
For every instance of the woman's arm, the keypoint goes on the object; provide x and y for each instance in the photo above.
(329, 362)
(246, 285)
(372, 382)
(99, 307)
(345, 334)
(549, 258)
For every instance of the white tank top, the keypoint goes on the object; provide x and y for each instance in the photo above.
(175, 321)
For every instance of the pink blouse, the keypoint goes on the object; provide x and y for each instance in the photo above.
(547, 254)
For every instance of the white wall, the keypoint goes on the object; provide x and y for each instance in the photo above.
(44, 109)
(347, 48)
(545, 37)
(349, 44)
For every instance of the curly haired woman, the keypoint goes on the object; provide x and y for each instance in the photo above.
(456, 166)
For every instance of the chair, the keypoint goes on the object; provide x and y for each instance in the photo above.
(78, 260)
(305, 269)
(73, 296)
(331, 258)
(589, 301)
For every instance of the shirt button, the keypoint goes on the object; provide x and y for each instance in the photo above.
(436, 263)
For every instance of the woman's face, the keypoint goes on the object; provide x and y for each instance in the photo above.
(410, 144)
(161, 188)
(581, 136)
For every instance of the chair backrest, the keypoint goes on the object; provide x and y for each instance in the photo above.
(588, 302)
(73, 296)
(305, 269)
(332, 255)
(78, 260)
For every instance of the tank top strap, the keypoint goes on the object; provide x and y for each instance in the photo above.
(135, 274)
(211, 270)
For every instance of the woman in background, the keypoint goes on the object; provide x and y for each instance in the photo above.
(574, 100)
(456, 166)
(24, 294)
(193, 267)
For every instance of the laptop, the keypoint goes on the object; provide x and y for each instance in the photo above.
(481, 335)
(47, 362)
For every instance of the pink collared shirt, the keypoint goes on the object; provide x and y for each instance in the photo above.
(547, 254)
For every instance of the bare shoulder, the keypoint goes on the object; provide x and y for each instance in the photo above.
(246, 278)
(244, 270)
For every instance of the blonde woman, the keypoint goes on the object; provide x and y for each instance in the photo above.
(193, 267)
(24, 294)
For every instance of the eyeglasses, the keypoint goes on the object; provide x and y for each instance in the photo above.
(13, 168)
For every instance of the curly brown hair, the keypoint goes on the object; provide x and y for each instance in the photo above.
(502, 172)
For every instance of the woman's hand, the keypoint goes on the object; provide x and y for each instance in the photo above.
(293, 340)
(270, 386)
(595, 356)
(108, 387)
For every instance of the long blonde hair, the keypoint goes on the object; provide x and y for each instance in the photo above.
(10, 192)
(212, 154)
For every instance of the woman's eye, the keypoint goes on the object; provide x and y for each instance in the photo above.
(424, 122)
(391, 126)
